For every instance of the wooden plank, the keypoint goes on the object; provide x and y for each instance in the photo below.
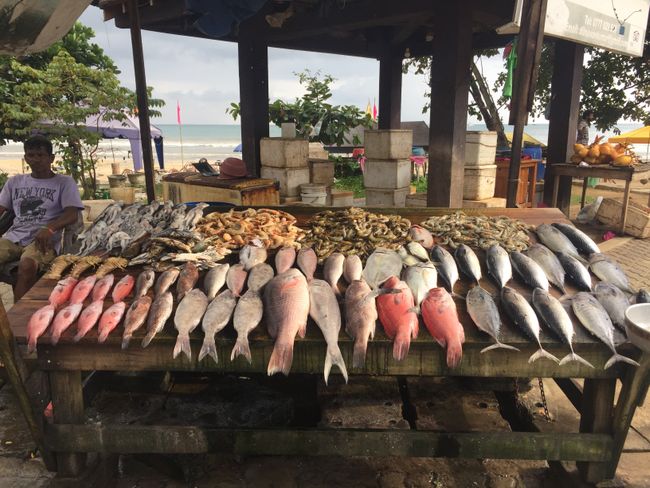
(68, 408)
(451, 63)
(390, 90)
(573, 391)
(336, 442)
(599, 171)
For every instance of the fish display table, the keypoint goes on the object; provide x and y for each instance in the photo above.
(597, 447)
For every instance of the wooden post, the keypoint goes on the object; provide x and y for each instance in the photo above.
(253, 95)
(143, 100)
(390, 90)
(529, 48)
(565, 102)
(450, 73)
(67, 399)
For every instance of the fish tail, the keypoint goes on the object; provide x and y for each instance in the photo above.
(454, 353)
(103, 334)
(148, 338)
(401, 345)
(542, 353)
(574, 357)
(54, 340)
(242, 348)
(359, 351)
(78, 336)
(31, 344)
(499, 345)
(618, 358)
(334, 357)
(209, 348)
(281, 359)
(125, 341)
(182, 345)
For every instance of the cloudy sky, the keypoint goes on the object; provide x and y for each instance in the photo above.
(203, 75)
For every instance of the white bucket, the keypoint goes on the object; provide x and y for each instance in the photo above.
(313, 194)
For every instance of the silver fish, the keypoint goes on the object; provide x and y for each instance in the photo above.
(188, 315)
(580, 240)
(247, 316)
(236, 279)
(214, 280)
(420, 278)
(144, 282)
(250, 255)
(166, 280)
(161, 309)
(259, 276)
(608, 270)
(594, 318)
(352, 268)
(523, 316)
(556, 318)
(498, 265)
(613, 301)
(446, 266)
(549, 263)
(529, 271)
(381, 265)
(215, 319)
(324, 310)
(468, 262)
(484, 313)
(333, 270)
(575, 271)
(556, 241)
(416, 249)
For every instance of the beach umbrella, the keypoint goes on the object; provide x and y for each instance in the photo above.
(636, 136)
(238, 148)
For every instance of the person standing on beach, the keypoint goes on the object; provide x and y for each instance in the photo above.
(43, 203)
(583, 127)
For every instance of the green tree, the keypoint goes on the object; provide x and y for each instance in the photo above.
(316, 119)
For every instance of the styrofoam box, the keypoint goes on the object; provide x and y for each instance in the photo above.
(387, 173)
(388, 144)
(480, 148)
(277, 152)
(479, 182)
(382, 197)
(290, 179)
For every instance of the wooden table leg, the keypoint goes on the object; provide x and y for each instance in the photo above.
(556, 189)
(67, 399)
(626, 201)
(596, 418)
(584, 192)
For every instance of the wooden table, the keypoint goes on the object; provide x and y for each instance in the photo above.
(527, 181)
(597, 446)
(625, 173)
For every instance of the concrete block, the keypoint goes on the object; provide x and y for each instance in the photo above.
(387, 173)
(479, 182)
(340, 198)
(388, 144)
(277, 152)
(321, 171)
(494, 202)
(416, 200)
(382, 197)
(317, 151)
(290, 179)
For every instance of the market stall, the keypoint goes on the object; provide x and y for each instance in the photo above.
(64, 355)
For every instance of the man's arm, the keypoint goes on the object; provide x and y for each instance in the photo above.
(43, 238)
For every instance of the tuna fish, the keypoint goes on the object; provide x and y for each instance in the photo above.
(259, 276)
(446, 265)
(109, 320)
(144, 282)
(549, 263)
(166, 280)
(416, 249)
(135, 317)
(397, 315)
(556, 241)
(324, 310)
(594, 318)
(556, 318)
(63, 320)
(247, 316)
(251, 255)
(83, 289)
(421, 235)
(123, 288)
(188, 315)
(484, 313)
(62, 291)
(468, 263)
(381, 265)
(575, 271)
(88, 318)
(498, 265)
(643, 296)
(284, 259)
(529, 271)
(286, 304)
(161, 310)
(215, 319)
(333, 270)
(352, 268)
(187, 279)
(579, 239)
(236, 279)
(307, 262)
(608, 270)
(441, 320)
(420, 278)
(215, 279)
(102, 287)
(613, 301)
(523, 316)
(38, 324)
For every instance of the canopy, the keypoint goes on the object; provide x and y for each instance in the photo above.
(527, 139)
(638, 136)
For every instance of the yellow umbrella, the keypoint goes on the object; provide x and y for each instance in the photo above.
(527, 138)
(638, 136)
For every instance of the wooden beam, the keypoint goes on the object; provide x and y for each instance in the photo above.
(153, 13)
(565, 106)
(573, 391)
(68, 408)
(390, 90)
(450, 72)
(529, 48)
(339, 442)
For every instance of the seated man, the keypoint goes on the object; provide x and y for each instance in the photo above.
(44, 203)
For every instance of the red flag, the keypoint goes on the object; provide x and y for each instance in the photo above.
(374, 110)
(178, 112)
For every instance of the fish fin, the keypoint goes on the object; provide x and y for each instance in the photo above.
(542, 353)
(454, 353)
(281, 359)
(241, 348)
(617, 358)
(182, 345)
(209, 348)
(125, 341)
(498, 345)
(456, 295)
(148, 338)
(574, 357)
(401, 346)
(359, 352)
(333, 356)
